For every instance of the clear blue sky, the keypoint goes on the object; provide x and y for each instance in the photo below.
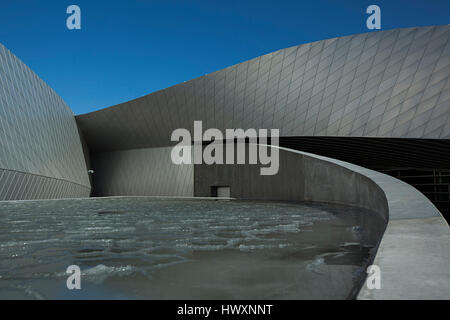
(127, 49)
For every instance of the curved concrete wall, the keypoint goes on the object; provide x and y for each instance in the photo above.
(391, 83)
(40, 150)
(301, 177)
(414, 251)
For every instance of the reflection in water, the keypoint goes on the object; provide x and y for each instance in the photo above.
(158, 248)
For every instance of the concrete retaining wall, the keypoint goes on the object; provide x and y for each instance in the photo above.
(301, 177)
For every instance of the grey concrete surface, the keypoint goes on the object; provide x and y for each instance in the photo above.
(414, 258)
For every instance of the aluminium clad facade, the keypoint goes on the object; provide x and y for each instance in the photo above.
(385, 84)
(41, 156)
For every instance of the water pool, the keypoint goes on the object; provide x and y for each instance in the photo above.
(161, 248)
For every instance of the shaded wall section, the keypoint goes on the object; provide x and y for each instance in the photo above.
(140, 172)
(40, 150)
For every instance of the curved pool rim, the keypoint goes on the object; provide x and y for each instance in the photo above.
(414, 251)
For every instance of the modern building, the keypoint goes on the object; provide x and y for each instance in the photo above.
(380, 101)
